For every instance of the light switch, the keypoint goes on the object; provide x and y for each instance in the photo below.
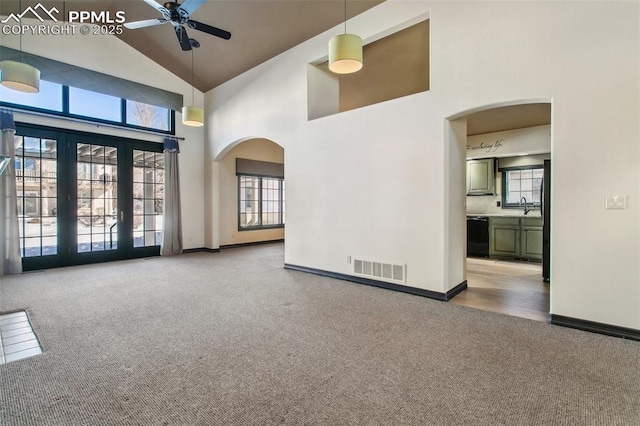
(615, 202)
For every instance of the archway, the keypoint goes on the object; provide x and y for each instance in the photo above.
(251, 192)
(512, 141)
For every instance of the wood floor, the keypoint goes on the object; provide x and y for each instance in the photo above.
(512, 288)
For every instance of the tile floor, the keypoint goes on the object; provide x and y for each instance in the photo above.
(17, 339)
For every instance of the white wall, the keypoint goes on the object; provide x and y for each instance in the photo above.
(253, 149)
(109, 55)
(376, 182)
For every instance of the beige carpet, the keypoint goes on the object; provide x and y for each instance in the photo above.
(234, 339)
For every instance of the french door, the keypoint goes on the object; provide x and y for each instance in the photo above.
(85, 198)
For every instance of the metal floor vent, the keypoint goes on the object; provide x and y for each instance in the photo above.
(17, 339)
(388, 271)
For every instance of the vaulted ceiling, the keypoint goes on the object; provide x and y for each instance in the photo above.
(261, 29)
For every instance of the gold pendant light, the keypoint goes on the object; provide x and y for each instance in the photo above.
(345, 51)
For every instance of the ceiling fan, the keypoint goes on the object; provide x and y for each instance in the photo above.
(178, 15)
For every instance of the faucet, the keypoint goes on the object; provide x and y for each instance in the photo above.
(523, 201)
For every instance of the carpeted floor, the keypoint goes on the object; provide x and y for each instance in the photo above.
(234, 339)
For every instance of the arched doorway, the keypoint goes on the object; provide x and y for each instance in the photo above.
(251, 192)
(508, 239)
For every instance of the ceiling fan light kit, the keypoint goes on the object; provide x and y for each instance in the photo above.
(20, 76)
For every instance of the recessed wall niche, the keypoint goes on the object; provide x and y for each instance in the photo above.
(394, 66)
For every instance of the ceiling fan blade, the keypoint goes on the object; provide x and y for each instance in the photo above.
(209, 29)
(143, 24)
(155, 5)
(183, 38)
(191, 6)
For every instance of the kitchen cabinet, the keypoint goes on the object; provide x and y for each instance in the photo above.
(531, 238)
(504, 237)
(481, 177)
(515, 238)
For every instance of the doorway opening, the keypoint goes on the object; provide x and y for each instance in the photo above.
(252, 193)
(507, 156)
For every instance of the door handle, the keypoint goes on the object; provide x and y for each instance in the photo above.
(121, 216)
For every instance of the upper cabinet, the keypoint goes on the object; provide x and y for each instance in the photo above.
(481, 177)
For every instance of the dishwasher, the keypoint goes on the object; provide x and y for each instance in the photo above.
(478, 236)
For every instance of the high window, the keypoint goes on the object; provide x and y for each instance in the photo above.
(66, 101)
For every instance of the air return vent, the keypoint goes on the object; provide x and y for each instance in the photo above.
(386, 271)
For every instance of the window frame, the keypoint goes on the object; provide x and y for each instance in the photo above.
(281, 213)
(505, 195)
(121, 123)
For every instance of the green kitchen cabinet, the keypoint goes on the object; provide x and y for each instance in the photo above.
(531, 238)
(515, 238)
(504, 237)
(481, 177)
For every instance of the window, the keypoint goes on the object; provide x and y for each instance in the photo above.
(66, 101)
(95, 105)
(261, 202)
(150, 116)
(49, 98)
(519, 183)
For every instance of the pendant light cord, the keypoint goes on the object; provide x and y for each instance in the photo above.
(345, 16)
(20, 8)
(193, 90)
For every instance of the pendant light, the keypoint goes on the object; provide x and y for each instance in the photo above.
(18, 75)
(192, 115)
(345, 51)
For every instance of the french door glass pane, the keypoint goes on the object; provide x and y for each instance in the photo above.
(97, 192)
(148, 198)
(37, 186)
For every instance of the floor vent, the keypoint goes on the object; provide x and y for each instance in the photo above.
(387, 271)
(17, 339)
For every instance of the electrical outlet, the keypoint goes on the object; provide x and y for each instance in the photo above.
(497, 203)
(615, 202)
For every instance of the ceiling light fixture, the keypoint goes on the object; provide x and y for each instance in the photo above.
(345, 51)
(192, 115)
(18, 75)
